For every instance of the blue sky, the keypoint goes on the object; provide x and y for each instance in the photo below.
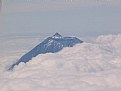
(68, 17)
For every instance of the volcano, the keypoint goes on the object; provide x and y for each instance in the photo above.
(52, 44)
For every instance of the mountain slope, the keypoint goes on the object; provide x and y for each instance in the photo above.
(50, 45)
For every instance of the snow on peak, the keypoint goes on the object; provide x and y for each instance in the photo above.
(50, 45)
(57, 35)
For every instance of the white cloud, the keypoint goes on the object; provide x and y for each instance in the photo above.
(88, 66)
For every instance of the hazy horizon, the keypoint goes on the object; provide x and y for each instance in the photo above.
(68, 17)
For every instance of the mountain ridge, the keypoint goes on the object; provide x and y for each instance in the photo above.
(52, 44)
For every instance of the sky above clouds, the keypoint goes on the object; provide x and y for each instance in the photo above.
(69, 17)
(42, 5)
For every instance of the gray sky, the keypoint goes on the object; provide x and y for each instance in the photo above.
(0, 4)
(69, 17)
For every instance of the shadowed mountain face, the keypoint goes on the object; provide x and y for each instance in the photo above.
(50, 45)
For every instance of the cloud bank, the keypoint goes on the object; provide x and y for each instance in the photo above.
(89, 66)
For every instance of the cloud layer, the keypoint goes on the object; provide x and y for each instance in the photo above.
(88, 66)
